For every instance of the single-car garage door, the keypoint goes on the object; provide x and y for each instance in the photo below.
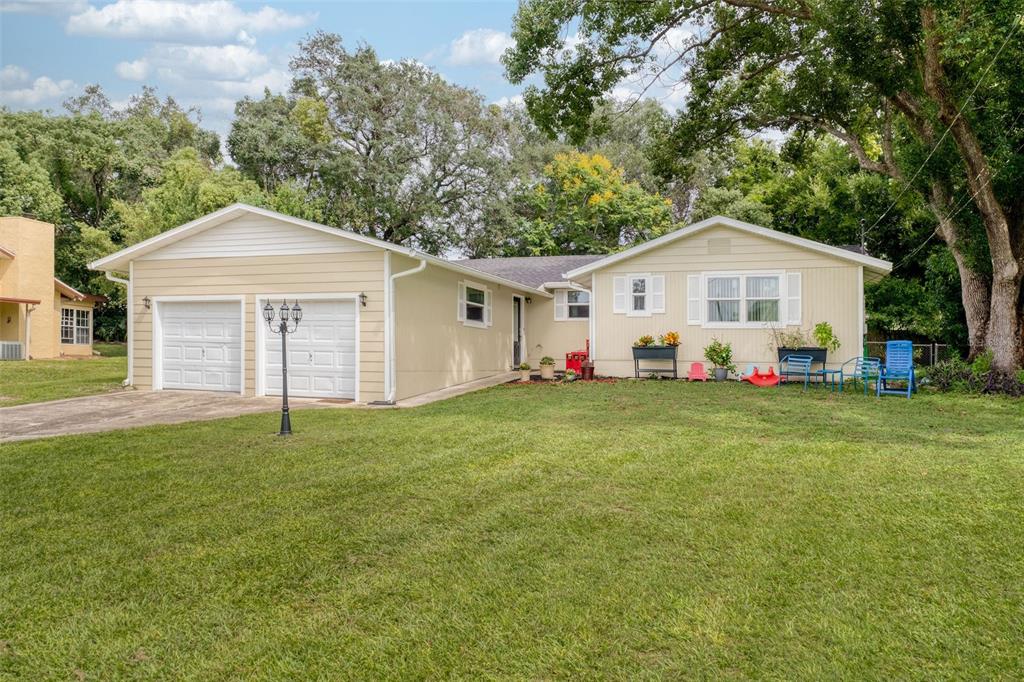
(201, 345)
(321, 353)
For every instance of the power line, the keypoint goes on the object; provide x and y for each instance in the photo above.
(959, 113)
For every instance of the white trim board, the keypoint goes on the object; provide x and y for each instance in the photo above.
(874, 264)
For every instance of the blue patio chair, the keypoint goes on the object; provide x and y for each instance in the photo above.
(899, 367)
(796, 366)
(862, 369)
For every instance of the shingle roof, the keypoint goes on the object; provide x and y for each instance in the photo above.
(533, 271)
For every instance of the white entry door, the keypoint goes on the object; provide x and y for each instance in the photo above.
(201, 345)
(321, 353)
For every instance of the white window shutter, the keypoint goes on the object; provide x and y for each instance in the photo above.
(487, 307)
(793, 298)
(562, 304)
(461, 314)
(693, 299)
(657, 293)
(619, 299)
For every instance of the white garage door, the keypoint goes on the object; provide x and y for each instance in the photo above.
(201, 345)
(321, 353)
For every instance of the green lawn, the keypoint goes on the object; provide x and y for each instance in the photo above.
(33, 381)
(628, 530)
(110, 350)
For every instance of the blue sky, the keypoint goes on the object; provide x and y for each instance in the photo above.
(210, 53)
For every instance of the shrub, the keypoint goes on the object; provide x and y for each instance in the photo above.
(975, 377)
(719, 354)
(547, 360)
(825, 336)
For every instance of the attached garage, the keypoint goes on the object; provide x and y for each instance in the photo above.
(322, 352)
(199, 345)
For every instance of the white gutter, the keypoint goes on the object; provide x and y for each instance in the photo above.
(128, 315)
(391, 385)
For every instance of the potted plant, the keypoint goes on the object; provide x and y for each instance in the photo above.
(524, 371)
(720, 355)
(570, 375)
(547, 367)
(671, 338)
(798, 342)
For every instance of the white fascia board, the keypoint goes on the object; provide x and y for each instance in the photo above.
(875, 264)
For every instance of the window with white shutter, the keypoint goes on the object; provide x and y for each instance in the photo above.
(693, 299)
(794, 292)
(619, 295)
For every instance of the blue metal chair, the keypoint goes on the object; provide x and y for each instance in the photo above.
(863, 369)
(899, 367)
(796, 366)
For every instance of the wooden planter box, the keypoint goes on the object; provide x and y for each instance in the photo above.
(655, 353)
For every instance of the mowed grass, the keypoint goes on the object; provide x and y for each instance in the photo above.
(628, 530)
(34, 381)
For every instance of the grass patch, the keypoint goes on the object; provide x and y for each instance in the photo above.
(636, 529)
(111, 350)
(34, 381)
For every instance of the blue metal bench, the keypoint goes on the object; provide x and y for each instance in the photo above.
(860, 369)
(796, 366)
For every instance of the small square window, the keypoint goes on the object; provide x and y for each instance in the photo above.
(578, 303)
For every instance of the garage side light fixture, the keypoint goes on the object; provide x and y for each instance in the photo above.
(362, 298)
(147, 301)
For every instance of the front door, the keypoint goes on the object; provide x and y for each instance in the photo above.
(517, 326)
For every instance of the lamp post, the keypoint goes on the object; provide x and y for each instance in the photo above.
(285, 315)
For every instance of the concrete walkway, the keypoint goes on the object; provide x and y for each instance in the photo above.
(129, 409)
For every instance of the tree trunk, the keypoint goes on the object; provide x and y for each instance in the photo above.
(1005, 326)
(974, 286)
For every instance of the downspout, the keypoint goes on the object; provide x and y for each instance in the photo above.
(29, 309)
(128, 315)
(392, 387)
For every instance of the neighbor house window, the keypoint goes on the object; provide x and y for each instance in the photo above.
(743, 299)
(75, 326)
(572, 304)
(474, 305)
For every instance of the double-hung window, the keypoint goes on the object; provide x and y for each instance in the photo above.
(474, 305)
(75, 326)
(572, 304)
(639, 295)
(743, 299)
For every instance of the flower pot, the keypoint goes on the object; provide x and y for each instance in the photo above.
(587, 370)
(524, 374)
(547, 372)
(721, 374)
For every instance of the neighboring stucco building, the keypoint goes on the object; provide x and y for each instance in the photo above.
(384, 322)
(40, 316)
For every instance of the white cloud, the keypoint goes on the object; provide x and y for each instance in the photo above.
(133, 71)
(57, 7)
(204, 22)
(514, 101)
(479, 46)
(277, 80)
(13, 75)
(206, 62)
(41, 90)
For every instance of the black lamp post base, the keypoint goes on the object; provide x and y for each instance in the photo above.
(286, 425)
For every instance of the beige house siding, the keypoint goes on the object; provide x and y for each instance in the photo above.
(433, 348)
(351, 272)
(831, 292)
(547, 336)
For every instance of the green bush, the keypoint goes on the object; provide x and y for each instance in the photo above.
(719, 354)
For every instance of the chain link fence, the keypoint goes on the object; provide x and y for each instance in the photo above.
(925, 354)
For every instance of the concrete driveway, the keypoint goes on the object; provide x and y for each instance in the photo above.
(126, 409)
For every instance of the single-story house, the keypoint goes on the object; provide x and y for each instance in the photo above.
(384, 322)
(40, 316)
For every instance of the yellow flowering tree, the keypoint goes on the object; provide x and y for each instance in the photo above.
(583, 204)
